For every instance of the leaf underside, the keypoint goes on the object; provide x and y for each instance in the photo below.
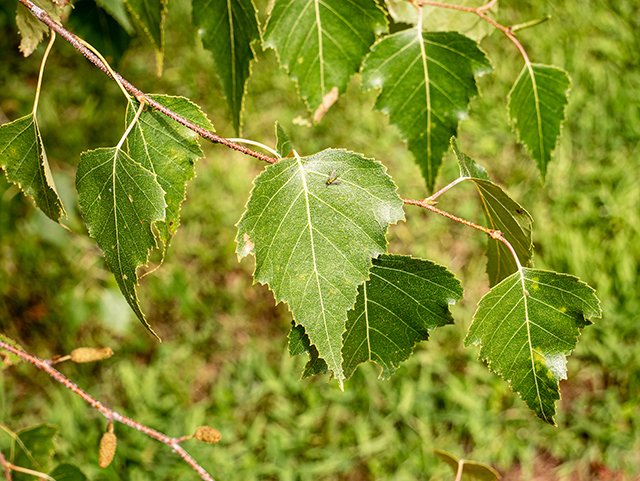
(527, 326)
(149, 16)
(40, 443)
(471, 470)
(25, 163)
(321, 43)
(403, 301)
(227, 29)
(503, 214)
(31, 29)
(536, 108)
(314, 238)
(169, 150)
(426, 81)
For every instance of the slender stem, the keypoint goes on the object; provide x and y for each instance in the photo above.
(446, 188)
(494, 234)
(480, 12)
(37, 474)
(460, 470)
(41, 74)
(108, 413)
(131, 125)
(5, 468)
(257, 144)
(73, 40)
(106, 64)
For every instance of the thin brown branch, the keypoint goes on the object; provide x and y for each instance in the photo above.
(5, 467)
(108, 413)
(73, 40)
(480, 12)
(494, 234)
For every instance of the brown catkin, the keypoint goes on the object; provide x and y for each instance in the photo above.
(207, 434)
(107, 449)
(91, 354)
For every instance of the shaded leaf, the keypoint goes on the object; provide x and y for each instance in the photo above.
(536, 108)
(97, 27)
(31, 29)
(149, 16)
(227, 29)
(437, 19)
(118, 11)
(471, 470)
(322, 43)
(35, 450)
(313, 242)
(526, 327)
(25, 163)
(169, 150)
(67, 472)
(426, 81)
(404, 299)
(503, 214)
(284, 146)
(120, 200)
(299, 344)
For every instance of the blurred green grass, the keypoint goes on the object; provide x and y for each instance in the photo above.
(223, 361)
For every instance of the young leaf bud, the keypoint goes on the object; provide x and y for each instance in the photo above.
(107, 449)
(208, 435)
(91, 354)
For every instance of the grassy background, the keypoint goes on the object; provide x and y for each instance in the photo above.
(223, 361)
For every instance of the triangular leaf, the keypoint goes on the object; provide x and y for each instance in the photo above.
(227, 29)
(403, 301)
(31, 29)
(169, 150)
(503, 214)
(35, 450)
(313, 224)
(120, 200)
(322, 43)
(471, 470)
(299, 344)
(149, 16)
(67, 472)
(527, 325)
(25, 163)
(536, 108)
(438, 19)
(427, 80)
(283, 143)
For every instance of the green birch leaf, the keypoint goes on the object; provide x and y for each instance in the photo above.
(314, 224)
(284, 146)
(438, 19)
(31, 29)
(426, 81)
(503, 214)
(299, 344)
(227, 29)
(118, 11)
(67, 472)
(322, 43)
(404, 299)
(527, 326)
(120, 200)
(35, 450)
(25, 163)
(471, 470)
(169, 150)
(149, 16)
(536, 108)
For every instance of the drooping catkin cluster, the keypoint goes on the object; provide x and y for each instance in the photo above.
(107, 447)
(207, 434)
(91, 354)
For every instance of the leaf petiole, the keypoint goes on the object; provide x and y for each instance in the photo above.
(41, 74)
(133, 122)
(108, 67)
(257, 144)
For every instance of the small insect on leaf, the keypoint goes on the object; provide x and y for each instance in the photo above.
(333, 178)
